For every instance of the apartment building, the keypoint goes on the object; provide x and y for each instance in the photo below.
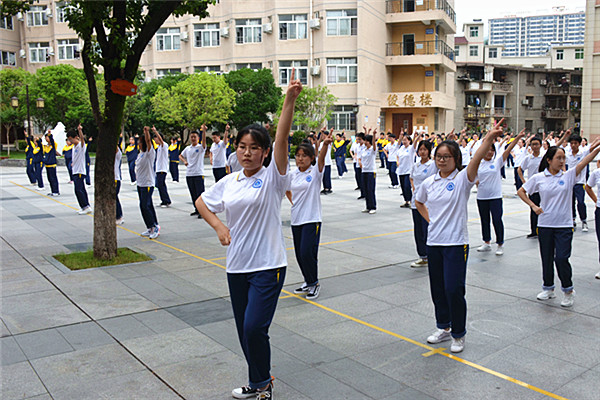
(389, 63)
(590, 118)
(532, 35)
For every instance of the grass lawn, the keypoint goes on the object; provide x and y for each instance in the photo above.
(85, 260)
(19, 155)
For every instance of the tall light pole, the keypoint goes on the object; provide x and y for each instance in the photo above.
(14, 102)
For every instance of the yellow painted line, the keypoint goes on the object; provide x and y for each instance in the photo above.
(43, 195)
(431, 350)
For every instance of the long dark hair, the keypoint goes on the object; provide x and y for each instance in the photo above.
(545, 163)
(454, 151)
(260, 136)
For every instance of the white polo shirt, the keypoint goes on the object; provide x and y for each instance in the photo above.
(446, 199)
(218, 154)
(368, 157)
(595, 181)
(195, 159)
(465, 152)
(556, 195)
(144, 168)
(531, 164)
(78, 162)
(490, 179)
(305, 187)
(252, 208)
(118, 160)
(573, 160)
(233, 163)
(162, 158)
(476, 145)
(327, 155)
(519, 155)
(392, 150)
(420, 172)
(406, 159)
(354, 149)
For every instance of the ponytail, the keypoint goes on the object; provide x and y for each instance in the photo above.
(545, 163)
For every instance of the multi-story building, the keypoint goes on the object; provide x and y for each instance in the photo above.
(525, 36)
(590, 117)
(533, 94)
(388, 63)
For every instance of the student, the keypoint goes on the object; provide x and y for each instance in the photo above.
(29, 159)
(255, 268)
(88, 178)
(589, 188)
(144, 172)
(79, 146)
(574, 157)
(193, 158)
(174, 149)
(162, 167)
(531, 164)
(217, 154)
(406, 158)
(369, 172)
(131, 151)
(38, 162)
(442, 200)
(391, 155)
(381, 143)
(354, 152)
(555, 225)
(67, 153)
(118, 160)
(465, 150)
(519, 153)
(421, 170)
(340, 147)
(303, 194)
(327, 171)
(489, 195)
(50, 154)
(233, 165)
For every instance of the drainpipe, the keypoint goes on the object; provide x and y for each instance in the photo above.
(310, 45)
(518, 98)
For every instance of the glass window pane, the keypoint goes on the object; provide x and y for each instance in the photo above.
(352, 74)
(302, 30)
(283, 31)
(215, 38)
(292, 31)
(332, 27)
(344, 26)
(176, 42)
(283, 76)
(331, 74)
(342, 74)
(168, 43)
(247, 35)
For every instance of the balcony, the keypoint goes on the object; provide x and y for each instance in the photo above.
(476, 113)
(557, 91)
(555, 114)
(504, 87)
(401, 11)
(500, 112)
(478, 86)
(575, 90)
(426, 53)
(419, 100)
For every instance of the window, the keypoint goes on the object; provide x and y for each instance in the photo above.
(206, 35)
(493, 53)
(8, 58)
(68, 49)
(6, 23)
(474, 31)
(342, 23)
(560, 54)
(528, 125)
(529, 101)
(342, 118)
(36, 16)
(248, 65)
(168, 71)
(292, 26)
(579, 54)
(248, 31)
(207, 68)
(341, 70)
(473, 51)
(60, 12)
(285, 71)
(457, 51)
(168, 39)
(38, 52)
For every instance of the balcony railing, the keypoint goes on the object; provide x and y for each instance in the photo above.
(429, 47)
(575, 90)
(476, 112)
(402, 6)
(555, 114)
(557, 90)
(503, 87)
(502, 112)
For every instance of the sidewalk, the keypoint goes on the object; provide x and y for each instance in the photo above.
(164, 329)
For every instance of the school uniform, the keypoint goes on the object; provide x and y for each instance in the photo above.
(162, 167)
(406, 158)
(219, 160)
(194, 173)
(327, 169)
(489, 198)
(520, 154)
(79, 174)
(381, 143)
(174, 161)
(392, 161)
(30, 170)
(67, 153)
(555, 224)
(420, 172)
(339, 152)
(256, 258)
(579, 187)
(131, 152)
(531, 165)
(118, 160)
(368, 156)
(355, 148)
(50, 164)
(233, 163)
(38, 162)
(465, 152)
(447, 246)
(88, 161)
(306, 220)
(595, 181)
(144, 172)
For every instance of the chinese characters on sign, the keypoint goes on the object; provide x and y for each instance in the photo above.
(426, 99)
(409, 100)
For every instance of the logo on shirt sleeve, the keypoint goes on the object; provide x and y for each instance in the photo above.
(450, 186)
(309, 179)
(257, 184)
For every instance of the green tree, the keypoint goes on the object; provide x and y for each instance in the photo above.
(313, 108)
(115, 34)
(12, 84)
(257, 95)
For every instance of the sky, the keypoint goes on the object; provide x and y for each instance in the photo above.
(467, 10)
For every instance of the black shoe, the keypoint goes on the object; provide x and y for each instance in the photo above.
(357, 188)
(405, 205)
(323, 191)
(195, 213)
(532, 236)
(360, 198)
(199, 216)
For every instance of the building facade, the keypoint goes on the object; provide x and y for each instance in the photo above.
(590, 118)
(388, 63)
(527, 36)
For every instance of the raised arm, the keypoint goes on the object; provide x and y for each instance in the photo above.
(486, 145)
(280, 147)
(203, 129)
(512, 145)
(147, 138)
(564, 137)
(80, 134)
(159, 140)
(594, 150)
(323, 152)
(226, 134)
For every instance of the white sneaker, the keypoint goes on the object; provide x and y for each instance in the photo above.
(420, 263)
(372, 211)
(598, 275)
(155, 232)
(484, 247)
(584, 227)
(133, 183)
(244, 392)
(546, 294)
(500, 250)
(85, 210)
(439, 336)
(40, 189)
(365, 211)
(147, 233)
(120, 221)
(340, 177)
(568, 299)
(457, 345)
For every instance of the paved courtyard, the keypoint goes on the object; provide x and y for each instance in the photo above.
(164, 329)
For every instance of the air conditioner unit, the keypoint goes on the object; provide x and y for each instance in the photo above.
(543, 82)
(184, 36)
(314, 23)
(225, 32)
(48, 12)
(20, 16)
(22, 53)
(268, 28)
(315, 70)
(51, 51)
(525, 102)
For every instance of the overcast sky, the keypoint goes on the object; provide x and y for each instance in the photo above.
(467, 10)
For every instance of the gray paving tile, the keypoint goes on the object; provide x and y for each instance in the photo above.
(125, 328)
(154, 291)
(585, 387)
(19, 381)
(225, 333)
(43, 343)
(3, 329)
(85, 335)
(10, 352)
(204, 312)
(160, 321)
(317, 385)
